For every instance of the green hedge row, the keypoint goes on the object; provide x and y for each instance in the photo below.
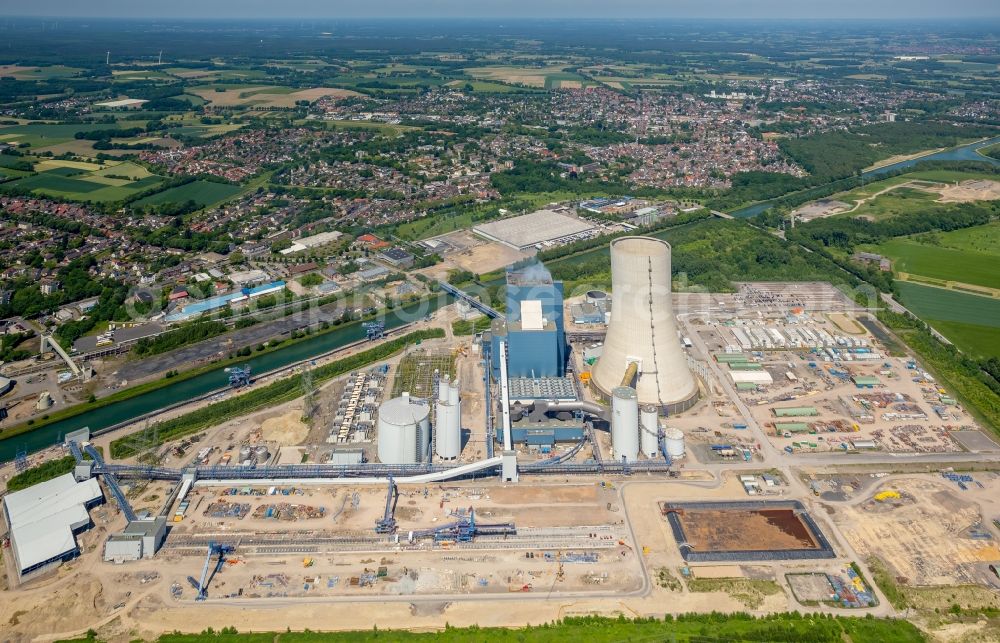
(41, 473)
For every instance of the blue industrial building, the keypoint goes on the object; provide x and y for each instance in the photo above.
(533, 329)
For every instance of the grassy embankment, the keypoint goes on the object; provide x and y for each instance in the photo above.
(147, 387)
(277, 392)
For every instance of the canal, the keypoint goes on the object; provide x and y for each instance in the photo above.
(968, 152)
(207, 382)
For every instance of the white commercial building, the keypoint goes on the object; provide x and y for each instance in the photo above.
(314, 241)
(45, 518)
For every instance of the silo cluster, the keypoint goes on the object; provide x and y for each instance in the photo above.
(448, 420)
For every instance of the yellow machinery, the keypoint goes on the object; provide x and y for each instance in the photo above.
(887, 495)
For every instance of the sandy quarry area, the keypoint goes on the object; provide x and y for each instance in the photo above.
(975, 190)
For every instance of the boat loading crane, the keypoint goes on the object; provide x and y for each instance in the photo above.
(374, 330)
(214, 549)
(238, 377)
(387, 524)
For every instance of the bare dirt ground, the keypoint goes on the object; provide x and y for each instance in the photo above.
(924, 536)
(976, 190)
(846, 323)
(486, 257)
(286, 430)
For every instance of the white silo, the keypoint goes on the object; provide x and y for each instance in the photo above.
(625, 424)
(675, 442)
(643, 329)
(404, 431)
(649, 427)
(448, 427)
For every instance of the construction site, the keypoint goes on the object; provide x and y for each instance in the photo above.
(592, 446)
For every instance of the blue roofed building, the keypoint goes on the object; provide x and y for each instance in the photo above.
(533, 330)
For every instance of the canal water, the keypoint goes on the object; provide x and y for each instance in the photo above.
(207, 382)
(967, 152)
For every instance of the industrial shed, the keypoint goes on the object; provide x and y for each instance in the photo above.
(140, 539)
(533, 229)
(44, 520)
(755, 377)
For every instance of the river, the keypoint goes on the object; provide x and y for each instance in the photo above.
(207, 382)
(967, 152)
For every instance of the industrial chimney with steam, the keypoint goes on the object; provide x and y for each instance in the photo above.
(642, 344)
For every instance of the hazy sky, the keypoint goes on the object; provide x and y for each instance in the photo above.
(896, 9)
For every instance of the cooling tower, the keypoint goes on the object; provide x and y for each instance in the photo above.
(642, 329)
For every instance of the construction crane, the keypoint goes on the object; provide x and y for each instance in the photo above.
(214, 549)
(374, 330)
(387, 524)
(238, 377)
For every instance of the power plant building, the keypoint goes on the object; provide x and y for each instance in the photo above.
(533, 330)
(642, 330)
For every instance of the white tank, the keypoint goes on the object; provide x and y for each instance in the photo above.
(625, 424)
(261, 453)
(643, 328)
(443, 389)
(404, 431)
(675, 443)
(649, 427)
(448, 427)
(245, 452)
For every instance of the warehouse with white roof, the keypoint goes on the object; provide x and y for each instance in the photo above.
(536, 229)
(44, 520)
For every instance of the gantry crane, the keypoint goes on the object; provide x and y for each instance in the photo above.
(214, 549)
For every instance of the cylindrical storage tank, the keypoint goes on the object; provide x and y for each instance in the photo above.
(404, 430)
(245, 452)
(443, 389)
(596, 296)
(675, 443)
(625, 423)
(261, 453)
(649, 427)
(448, 437)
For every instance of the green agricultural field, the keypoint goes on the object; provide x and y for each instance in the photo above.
(46, 134)
(71, 180)
(983, 239)
(971, 322)
(968, 266)
(203, 193)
